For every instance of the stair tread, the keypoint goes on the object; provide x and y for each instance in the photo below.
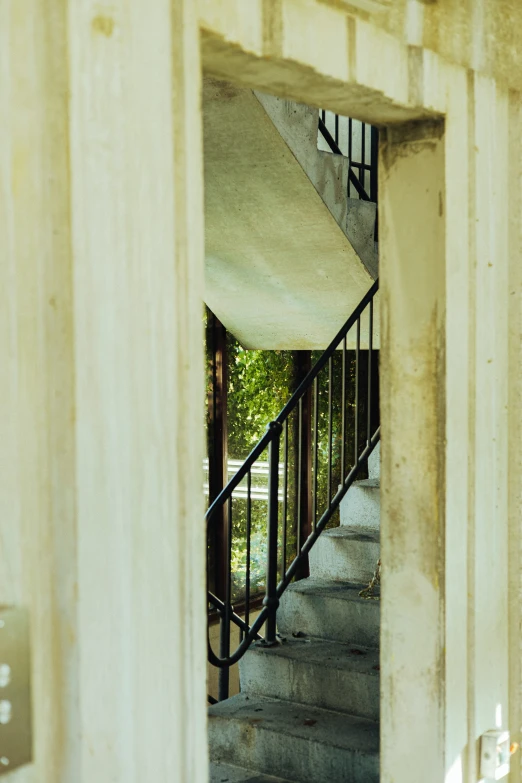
(227, 773)
(323, 652)
(353, 533)
(314, 724)
(338, 591)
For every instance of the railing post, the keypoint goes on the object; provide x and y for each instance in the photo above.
(271, 600)
(303, 360)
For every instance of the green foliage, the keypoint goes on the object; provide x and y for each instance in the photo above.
(259, 385)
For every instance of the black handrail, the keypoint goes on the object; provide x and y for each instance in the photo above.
(303, 387)
(356, 169)
(272, 440)
(336, 150)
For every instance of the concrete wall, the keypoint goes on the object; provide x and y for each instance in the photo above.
(101, 531)
(451, 375)
(101, 446)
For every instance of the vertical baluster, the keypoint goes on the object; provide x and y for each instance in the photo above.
(343, 412)
(370, 348)
(356, 427)
(299, 472)
(363, 153)
(224, 647)
(316, 433)
(337, 129)
(271, 601)
(330, 427)
(249, 546)
(350, 130)
(373, 164)
(285, 496)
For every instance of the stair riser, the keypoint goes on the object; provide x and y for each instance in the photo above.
(328, 618)
(301, 760)
(342, 560)
(361, 507)
(310, 682)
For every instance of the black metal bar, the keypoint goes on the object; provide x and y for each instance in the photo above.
(337, 129)
(335, 149)
(316, 433)
(343, 411)
(248, 549)
(224, 646)
(285, 495)
(370, 348)
(356, 408)
(330, 426)
(303, 366)
(217, 447)
(219, 606)
(299, 470)
(363, 153)
(374, 180)
(316, 369)
(362, 166)
(271, 601)
(350, 145)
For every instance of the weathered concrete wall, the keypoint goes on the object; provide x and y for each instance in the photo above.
(101, 389)
(451, 541)
(480, 34)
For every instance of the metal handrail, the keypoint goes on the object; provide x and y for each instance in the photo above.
(356, 180)
(336, 150)
(301, 390)
(272, 440)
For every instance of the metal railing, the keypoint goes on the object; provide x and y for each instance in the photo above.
(330, 425)
(358, 142)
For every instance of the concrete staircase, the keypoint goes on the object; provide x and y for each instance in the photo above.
(308, 710)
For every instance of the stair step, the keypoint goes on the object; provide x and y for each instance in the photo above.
(329, 610)
(226, 773)
(332, 675)
(301, 743)
(361, 506)
(345, 554)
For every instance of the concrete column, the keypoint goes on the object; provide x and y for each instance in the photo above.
(101, 531)
(413, 345)
(451, 413)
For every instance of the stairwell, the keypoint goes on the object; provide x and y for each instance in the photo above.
(308, 710)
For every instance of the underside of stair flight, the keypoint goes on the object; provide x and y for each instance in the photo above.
(282, 270)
